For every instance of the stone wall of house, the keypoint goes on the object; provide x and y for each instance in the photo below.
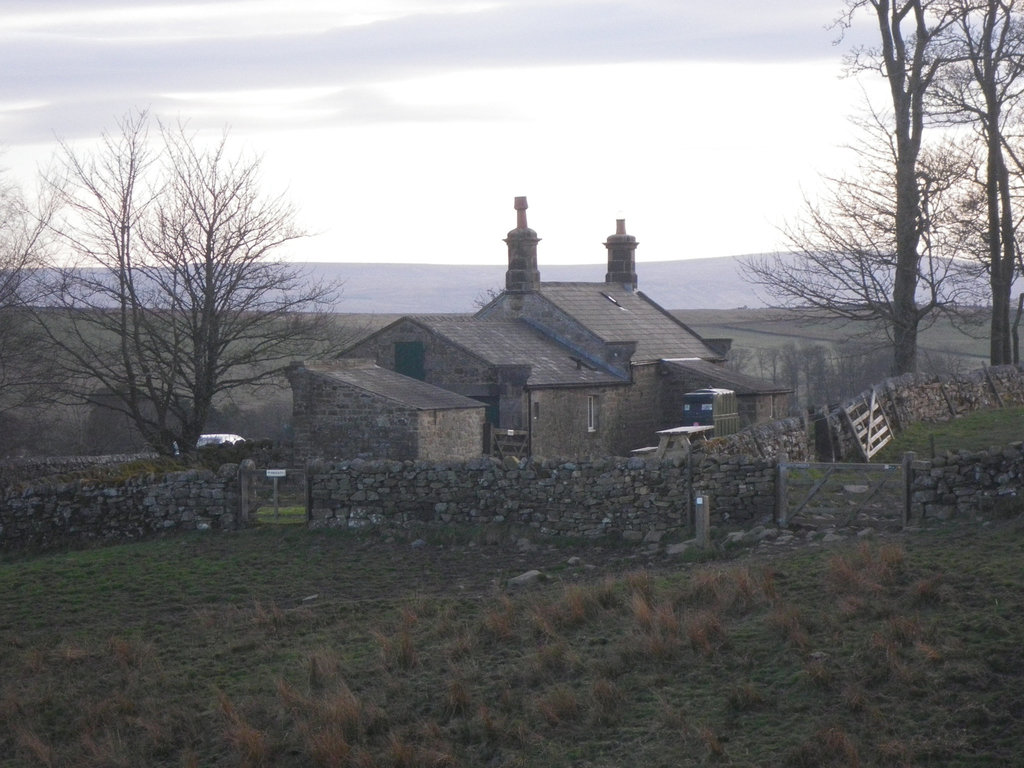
(911, 398)
(456, 433)
(965, 484)
(46, 513)
(445, 365)
(642, 410)
(627, 417)
(632, 498)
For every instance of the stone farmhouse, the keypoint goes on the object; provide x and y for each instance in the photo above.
(556, 369)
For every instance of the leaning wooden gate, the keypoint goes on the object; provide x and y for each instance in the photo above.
(869, 426)
(842, 495)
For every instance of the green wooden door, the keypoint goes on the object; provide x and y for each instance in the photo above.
(409, 359)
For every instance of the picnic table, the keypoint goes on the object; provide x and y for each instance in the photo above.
(675, 440)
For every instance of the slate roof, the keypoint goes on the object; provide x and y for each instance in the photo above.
(514, 342)
(407, 391)
(720, 376)
(616, 314)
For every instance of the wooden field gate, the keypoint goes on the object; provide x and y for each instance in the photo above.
(500, 443)
(843, 494)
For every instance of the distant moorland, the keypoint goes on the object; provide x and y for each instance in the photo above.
(427, 288)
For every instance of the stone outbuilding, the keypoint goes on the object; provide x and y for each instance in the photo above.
(350, 408)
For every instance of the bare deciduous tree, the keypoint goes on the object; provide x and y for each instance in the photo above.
(862, 250)
(906, 57)
(981, 86)
(845, 261)
(25, 374)
(176, 296)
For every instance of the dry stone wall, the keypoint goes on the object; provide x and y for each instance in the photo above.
(966, 484)
(637, 499)
(788, 436)
(43, 514)
(25, 470)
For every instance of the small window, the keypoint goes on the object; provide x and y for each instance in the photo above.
(536, 411)
(591, 413)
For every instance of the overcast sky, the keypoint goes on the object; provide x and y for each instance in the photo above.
(403, 129)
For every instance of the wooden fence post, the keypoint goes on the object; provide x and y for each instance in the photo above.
(702, 520)
(690, 522)
(908, 484)
(246, 478)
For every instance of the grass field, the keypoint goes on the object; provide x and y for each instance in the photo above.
(768, 328)
(977, 431)
(826, 361)
(284, 647)
(293, 515)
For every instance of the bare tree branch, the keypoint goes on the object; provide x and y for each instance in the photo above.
(176, 296)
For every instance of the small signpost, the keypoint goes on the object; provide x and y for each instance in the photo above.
(702, 520)
(275, 474)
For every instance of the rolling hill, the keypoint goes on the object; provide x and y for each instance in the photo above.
(427, 288)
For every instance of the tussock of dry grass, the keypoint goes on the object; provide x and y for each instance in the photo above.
(867, 570)
(247, 742)
(606, 700)
(558, 704)
(828, 747)
(706, 631)
(788, 620)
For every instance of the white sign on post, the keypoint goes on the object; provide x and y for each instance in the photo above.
(276, 473)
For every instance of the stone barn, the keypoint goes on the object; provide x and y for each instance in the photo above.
(352, 408)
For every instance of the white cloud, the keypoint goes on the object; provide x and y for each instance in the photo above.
(388, 119)
(167, 22)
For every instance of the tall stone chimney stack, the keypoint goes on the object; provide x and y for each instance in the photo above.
(522, 275)
(621, 257)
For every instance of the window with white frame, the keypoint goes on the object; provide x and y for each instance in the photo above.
(591, 413)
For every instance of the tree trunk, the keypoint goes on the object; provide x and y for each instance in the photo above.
(908, 211)
(1003, 260)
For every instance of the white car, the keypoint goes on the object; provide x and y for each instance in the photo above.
(219, 439)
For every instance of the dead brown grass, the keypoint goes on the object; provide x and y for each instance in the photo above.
(705, 631)
(248, 742)
(684, 665)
